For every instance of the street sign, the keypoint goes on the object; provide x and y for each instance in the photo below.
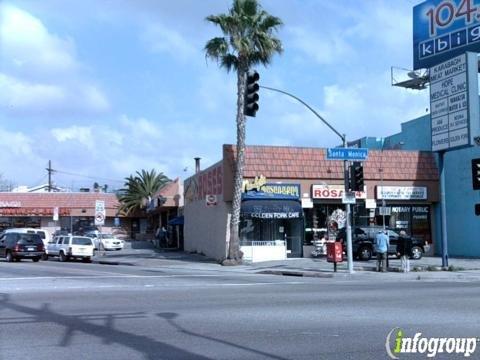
(100, 212)
(383, 210)
(353, 154)
(348, 197)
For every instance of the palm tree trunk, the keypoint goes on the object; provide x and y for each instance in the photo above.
(234, 253)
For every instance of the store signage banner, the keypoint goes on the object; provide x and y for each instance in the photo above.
(281, 189)
(444, 29)
(10, 204)
(402, 192)
(333, 192)
(454, 102)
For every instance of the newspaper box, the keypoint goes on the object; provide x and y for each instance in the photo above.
(334, 252)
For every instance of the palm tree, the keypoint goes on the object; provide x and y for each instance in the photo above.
(248, 40)
(139, 189)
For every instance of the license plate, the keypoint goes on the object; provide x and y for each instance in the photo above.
(31, 249)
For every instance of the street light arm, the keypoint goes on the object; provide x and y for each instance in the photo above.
(308, 106)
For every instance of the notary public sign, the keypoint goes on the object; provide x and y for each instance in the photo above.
(454, 104)
(353, 154)
(443, 29)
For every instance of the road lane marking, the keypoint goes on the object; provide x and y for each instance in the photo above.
(106, 277)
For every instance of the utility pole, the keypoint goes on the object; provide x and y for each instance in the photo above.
(345, 173)
(50, 170)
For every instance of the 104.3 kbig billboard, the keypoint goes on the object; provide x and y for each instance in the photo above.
(443, 29)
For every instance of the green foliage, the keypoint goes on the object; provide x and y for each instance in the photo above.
(248, 36)
(139, 189)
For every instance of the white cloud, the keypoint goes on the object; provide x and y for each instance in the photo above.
(75, 134)
(323, 47)
(29, 48)
(39, 72)
(162, 39)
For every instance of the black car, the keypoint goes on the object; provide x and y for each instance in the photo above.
(363, 243)
(16, 246)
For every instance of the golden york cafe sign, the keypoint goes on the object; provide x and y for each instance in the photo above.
(260, 184)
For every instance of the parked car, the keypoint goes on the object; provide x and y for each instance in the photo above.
(44, 234)
(109, 241)
(17, 246)
(363, 240)
(70, 246)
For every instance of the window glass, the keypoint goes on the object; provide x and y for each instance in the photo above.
(25, 239)
(81, 241)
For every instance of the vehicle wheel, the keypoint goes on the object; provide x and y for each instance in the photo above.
(35, 259)
(62, 256)
(364, 253)
(45, 257)
(9, 257)
(417, 253)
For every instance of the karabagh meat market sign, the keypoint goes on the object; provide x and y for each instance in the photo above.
(333, 192)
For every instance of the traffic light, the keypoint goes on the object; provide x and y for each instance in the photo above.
(251, 94)
(356, 176)
(476, 174)
(477, 209)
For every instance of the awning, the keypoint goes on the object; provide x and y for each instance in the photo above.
(271, 209)
(176, 221)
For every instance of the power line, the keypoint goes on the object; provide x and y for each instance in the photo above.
(86, 176)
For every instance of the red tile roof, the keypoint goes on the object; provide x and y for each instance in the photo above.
(54, 199)
(310, 163)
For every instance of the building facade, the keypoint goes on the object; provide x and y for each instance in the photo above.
(463, 225)
(297, 192)
(59, 210)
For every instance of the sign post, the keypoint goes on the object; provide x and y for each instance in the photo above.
(100, 221)
(100, 212)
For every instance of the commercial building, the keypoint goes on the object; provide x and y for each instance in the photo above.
(463, 225)
(293, 192)
(58, 210)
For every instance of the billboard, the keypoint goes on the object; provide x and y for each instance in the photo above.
(454, 103)
(443, 29)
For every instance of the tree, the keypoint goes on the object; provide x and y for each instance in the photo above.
(248, 39)
(139, 189)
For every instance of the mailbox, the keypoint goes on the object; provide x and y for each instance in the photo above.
(334, 252)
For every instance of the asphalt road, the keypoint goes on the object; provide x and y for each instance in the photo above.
(52, 310)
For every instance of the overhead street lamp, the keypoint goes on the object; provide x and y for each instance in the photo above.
(345, 173)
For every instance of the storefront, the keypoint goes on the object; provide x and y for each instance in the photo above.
(72, 212)
(315, 185)
(272, 219)
(327, 213)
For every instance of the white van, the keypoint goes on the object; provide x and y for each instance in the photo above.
(44, 234)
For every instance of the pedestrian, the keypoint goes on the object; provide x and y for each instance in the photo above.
(381, 248)
(158, 233)
(163, 237)
(404, 250)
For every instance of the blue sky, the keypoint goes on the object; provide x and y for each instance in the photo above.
(104, 88)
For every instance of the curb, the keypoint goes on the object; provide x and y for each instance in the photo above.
(295, 273)
(112, 262)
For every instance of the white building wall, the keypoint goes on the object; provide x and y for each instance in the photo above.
(206, 229)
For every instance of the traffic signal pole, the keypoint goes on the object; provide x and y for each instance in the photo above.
(348, 225)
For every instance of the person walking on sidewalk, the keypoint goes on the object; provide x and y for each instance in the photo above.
(381, 248)
(404, 250)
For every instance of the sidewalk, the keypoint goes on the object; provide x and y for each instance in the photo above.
(143, 253)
